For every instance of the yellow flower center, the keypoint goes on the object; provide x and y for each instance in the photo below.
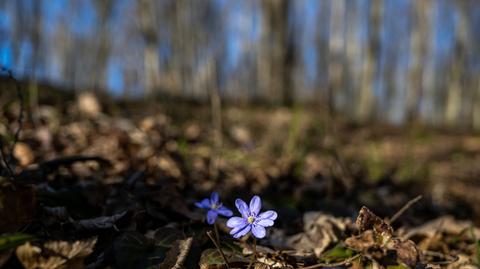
(250, 219)
(215, 206)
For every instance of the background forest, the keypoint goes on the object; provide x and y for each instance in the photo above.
(396, 61)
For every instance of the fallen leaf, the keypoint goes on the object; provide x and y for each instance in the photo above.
(367, 220)
(407, 252)
(31, 258)
(362, 242)
(320, 231)
(88, 104)
(106, 222)
(55, 254)
(24, 154)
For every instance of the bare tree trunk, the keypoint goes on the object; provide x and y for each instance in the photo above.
(352, 49)
(147, 23)
(322, 41)
(421, 25)
(277, 56)
(366, 100)
(104, 9)
(457, 85)
(35, 39)
(336, 48)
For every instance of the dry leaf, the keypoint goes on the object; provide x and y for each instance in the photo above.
(320, 231)
(407, 252)
(55, 254)
(88, 104)
(24, 154)
(367, 220)
(362, 242)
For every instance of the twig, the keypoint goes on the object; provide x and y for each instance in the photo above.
(185, 246)
(217, 245)
(404, 208)
(336, 264)
(66, 161)
(448, 259)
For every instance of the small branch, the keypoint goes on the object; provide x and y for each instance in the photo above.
(336, 264)
(185, 246)
(448, 259)
(404, 208)
(217, 245)
(66, 161)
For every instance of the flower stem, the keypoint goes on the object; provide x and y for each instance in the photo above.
(217, 245)
(217, 235)
(254, 255)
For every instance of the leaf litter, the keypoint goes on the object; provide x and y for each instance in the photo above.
(95, 189)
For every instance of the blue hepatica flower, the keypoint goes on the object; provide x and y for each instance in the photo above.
(251, 220)
(214, 208)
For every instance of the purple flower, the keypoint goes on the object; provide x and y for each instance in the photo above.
(214, 208)
(251, 220)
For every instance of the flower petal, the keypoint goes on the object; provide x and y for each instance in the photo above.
(239, 227)
(224, 211)
(270, 214)
(242, 232)
(264, 222)
(211, 216)
(258, 231)
(242, 208)
(255, 205)
(214, 198)
(205, 203)
(236, 221)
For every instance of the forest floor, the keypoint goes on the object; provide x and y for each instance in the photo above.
(98, 183)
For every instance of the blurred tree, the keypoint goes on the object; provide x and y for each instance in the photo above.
(336, 48)
(366, 105)
(420, 27)
(276, 56)
(147, 26)
(104, 10)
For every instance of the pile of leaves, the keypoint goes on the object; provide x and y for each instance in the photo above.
(86, 187)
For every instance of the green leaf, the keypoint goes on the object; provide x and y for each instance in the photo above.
(338, 253)
(12, 240)
(212, 256)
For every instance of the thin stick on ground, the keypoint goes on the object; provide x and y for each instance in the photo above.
(217, 245)
(447, 259)
(336, 264)
(404, 208)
